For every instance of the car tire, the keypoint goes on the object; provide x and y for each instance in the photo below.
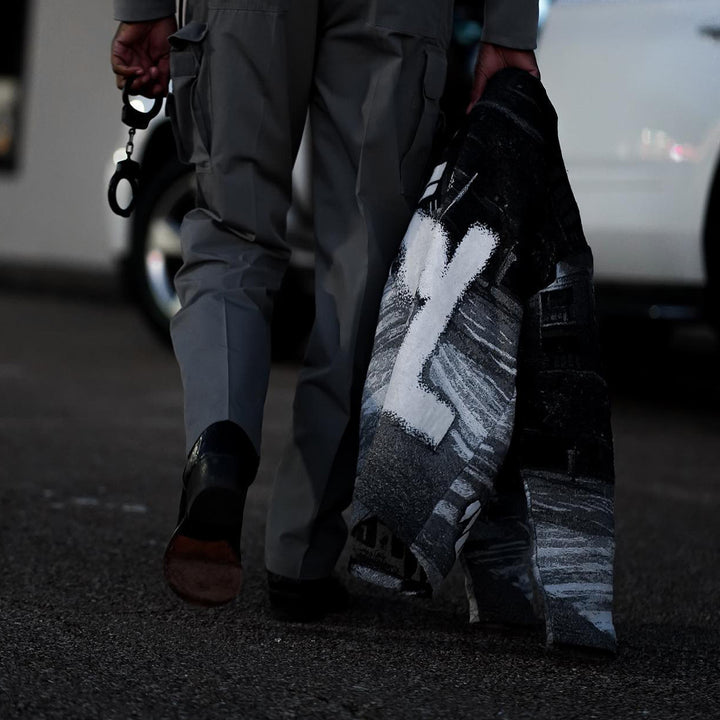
(155, 254)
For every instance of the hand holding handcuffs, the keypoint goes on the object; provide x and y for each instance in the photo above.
(129, 169)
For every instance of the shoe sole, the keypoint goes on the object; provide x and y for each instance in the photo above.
(201, 564)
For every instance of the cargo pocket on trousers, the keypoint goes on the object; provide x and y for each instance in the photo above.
(186, 109)
(414, 162)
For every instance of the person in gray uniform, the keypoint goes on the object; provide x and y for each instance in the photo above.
(245, 75)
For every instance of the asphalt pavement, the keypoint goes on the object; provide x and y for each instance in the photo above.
(91, 452)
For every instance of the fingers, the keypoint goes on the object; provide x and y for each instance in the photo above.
(127, 56)
(124, 64)
(149, 80)
(484, 70)
(153, 84)
(478, 90)
(150, 85)
(493, 58)
(124, 74)
(140, 55)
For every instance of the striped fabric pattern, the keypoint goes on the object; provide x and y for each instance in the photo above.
(485, 430)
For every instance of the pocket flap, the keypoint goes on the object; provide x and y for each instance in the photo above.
(193, 32)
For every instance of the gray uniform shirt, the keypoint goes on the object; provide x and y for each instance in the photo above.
(511, 23)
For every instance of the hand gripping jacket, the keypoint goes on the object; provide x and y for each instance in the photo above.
(485, 420)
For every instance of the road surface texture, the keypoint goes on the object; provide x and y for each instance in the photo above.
(91, 454)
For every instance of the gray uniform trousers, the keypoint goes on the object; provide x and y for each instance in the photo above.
(245, 73)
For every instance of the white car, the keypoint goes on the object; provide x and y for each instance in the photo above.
(636, 84)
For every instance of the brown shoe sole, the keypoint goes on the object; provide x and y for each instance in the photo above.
(202, 560)
(202, 572)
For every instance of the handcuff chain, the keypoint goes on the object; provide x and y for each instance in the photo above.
(130, 145)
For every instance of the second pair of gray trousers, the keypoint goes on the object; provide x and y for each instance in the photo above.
(245, 74)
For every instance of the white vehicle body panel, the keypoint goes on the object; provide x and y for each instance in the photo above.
(637, 88)
(53, 208)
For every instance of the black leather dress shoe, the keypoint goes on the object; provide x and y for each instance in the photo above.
(202, 560)
(305, 600)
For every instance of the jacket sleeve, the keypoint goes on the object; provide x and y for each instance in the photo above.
(511, 23)
(138, 10)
